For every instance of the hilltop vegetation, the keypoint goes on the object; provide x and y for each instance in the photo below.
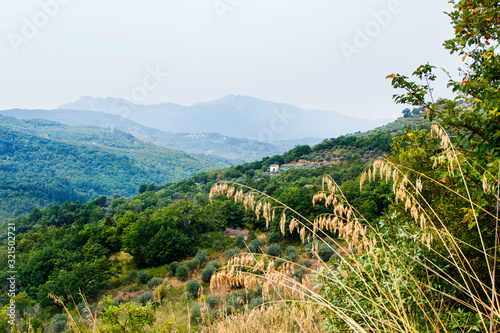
(166, 223)
(58, 163)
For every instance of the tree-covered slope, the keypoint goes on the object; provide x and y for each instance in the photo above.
(63, 163)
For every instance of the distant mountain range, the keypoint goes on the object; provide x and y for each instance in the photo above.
(235, 116)
(243, 150)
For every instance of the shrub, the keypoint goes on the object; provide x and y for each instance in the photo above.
(207, 273)
(202, 257)
(292, 253)
(232, 252)
(239, 241)
(145, 298)
(186, 297)
(274, 250)
(193, 287)
(214, 264)
(274, 238)
(161, 292)
(172, 268)
(256, 302)
(154, 282)
(143, 276)
(192, 264)
(278, 262)
(212, 301)
(325, 251)
(258, 245)
(60, 322)
(217, 246)
(251, 249)
(182, 273)
(305, 263)
(132, 275)
(195, 313)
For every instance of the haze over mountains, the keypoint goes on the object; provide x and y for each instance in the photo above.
(236, 116)
(239, 128)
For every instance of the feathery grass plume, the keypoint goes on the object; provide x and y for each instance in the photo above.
(396, 275)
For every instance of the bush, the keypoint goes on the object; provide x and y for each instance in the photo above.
(192, 264)
(232, 252)
(258, 245)
(274, 238)
(193, 287)
(212, 301)
(145, 298)
(278, 262)
(143, 276)
(214, 264)
(239, 241)
(60, 322)
(154, 282)
(182, 273)
(202, 257)
(195, 313)
(274, 250)
(132, 275)
(172, 268)
(217, 246)
(292, 253)
(256, 302)
(325, 251)
(186, 297)
(299, 274)
(251, 249)
(305, 263)
(207, 273)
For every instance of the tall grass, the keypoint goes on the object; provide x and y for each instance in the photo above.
(407, 273)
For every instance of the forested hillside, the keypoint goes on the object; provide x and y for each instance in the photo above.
(59, 163)
(163, 223)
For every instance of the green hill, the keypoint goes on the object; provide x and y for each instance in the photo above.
(43, 163)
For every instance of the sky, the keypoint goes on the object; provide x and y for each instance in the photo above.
(316, 54)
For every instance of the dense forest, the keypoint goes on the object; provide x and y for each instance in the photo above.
(69, 247)
(43, 163)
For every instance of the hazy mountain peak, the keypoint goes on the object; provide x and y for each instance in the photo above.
(97, 104)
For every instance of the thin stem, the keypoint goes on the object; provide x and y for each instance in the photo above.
(493, 287)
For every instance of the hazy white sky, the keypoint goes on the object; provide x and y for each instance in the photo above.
(309, 53)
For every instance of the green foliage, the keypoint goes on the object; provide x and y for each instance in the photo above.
(172, 268)
(161, 292)
(195, 313)
(212, 301)
(232, 252)
(239, 241)
(182, 273)
(207, 273)
(274, 250)
(192, 264)
(325, 251)
(193, 287)
(154, 282)
(143, 276)
(257, 244)
(126, 317)
(145, 298)
(202, 257)
(292, 253)
(214, 264)
(132, 275)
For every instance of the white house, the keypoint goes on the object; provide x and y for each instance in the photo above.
(274, 168)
